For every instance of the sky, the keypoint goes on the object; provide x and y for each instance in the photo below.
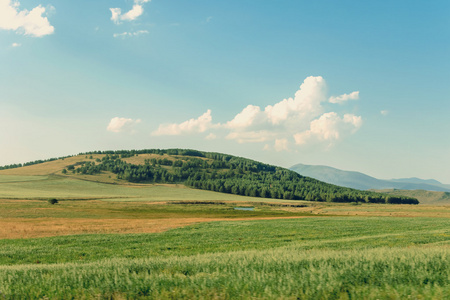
(356, 85)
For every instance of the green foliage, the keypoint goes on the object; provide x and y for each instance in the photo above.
(52, 201)
(224, 173)
(229, 174)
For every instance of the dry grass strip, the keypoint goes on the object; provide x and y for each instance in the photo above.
(17, 228)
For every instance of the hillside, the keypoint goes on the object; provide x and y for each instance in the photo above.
(424, 197)
(362, 181)
(201, 170)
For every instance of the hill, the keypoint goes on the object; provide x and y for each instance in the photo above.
(201, 170)
(424, 197)
(362, 181)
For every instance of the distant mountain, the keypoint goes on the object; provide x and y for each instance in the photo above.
(417, 180)
(362, 181)
(423, 181)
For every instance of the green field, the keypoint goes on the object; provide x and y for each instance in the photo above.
(112, 241)
(40, 187)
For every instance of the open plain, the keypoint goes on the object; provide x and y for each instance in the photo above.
(162, 241)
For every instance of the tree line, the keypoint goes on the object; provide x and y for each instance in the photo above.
(228, 174)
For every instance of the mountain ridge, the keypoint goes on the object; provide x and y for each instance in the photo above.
(361, 181)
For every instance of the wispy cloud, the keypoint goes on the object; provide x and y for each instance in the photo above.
(384, 112)
(345, 97)
(300, 120)
(122, 125)
(256, 136)
(281, 145)
(130, 34)
(137, 10)
(211, 136)
(33, 23)
(16, 45)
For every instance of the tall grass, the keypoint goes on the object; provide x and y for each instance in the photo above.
(285, 273)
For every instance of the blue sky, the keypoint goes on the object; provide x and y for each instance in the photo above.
(355, 85)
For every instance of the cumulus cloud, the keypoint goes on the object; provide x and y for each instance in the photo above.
(201, 124)
(305, 103)
(329, 128)
(136, 11)
(299, 120)
(344, 97)
(122, 124)
(130, 34)
(245, 118)
(33, 23)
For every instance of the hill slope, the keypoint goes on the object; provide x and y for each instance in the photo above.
(208, 171)
(425, 197)
(362, 181)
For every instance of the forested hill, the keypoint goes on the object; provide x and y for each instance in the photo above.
(221, 173)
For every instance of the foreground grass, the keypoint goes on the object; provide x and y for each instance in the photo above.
(311, 258)
(285, 273)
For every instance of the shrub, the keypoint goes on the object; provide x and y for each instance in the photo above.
(52, 201)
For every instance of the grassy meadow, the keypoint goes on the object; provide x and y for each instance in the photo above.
(135, 241)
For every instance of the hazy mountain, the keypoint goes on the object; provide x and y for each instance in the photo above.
(423, 181)
(417, 180)
(362, 181)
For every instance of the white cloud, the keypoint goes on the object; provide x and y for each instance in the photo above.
(122, 124)
(211, 136)
(384, 112)
(294, 121)
(344, 97)
(305, 103)
(329, 128)
(28, 22)
(201, 124)
(132, 14)
(16, 45)
(245, 118)
(281, 120)
(129, 34)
